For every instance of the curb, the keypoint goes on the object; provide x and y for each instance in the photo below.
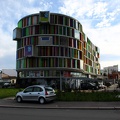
(74, 108)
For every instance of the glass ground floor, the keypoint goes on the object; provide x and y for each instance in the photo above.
(59, 79)
(61, 83)
(57, 83)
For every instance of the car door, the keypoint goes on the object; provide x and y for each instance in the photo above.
(27, 94)
(37, 91)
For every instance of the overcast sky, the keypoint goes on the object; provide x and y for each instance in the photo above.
(100, 20)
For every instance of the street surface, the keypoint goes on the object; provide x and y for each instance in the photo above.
(58, 114)
(61, 105)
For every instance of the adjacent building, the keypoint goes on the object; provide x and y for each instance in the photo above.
(111, 72)
(8, 76)
(53, 47)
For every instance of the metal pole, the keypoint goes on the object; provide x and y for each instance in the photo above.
(60, 82)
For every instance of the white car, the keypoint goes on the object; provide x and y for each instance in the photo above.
(36, 93)
(102, 86)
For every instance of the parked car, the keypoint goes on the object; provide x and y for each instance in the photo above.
(6, 85)
(101, 86)
(89, 86)
(36, 93)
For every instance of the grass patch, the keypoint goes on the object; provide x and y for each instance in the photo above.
(8, 92)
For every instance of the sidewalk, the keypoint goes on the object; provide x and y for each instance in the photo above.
(11, 103)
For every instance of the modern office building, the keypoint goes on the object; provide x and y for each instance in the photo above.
(52, 47)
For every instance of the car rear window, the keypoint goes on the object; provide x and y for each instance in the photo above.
(48, 89)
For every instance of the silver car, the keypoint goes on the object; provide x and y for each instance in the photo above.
(36, 93)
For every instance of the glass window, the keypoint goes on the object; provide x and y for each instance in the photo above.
(60, 30)
(52, 19)
(30, 89)
(71, 22)
(48, 89)
(77, 34)
(37, 89)
(60, 19)
(64, 30)
(76, 25)
(57, 73)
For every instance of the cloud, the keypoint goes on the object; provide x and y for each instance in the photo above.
(100, 21)
(99, 18)
(77, 8)
(110, 63)
(11, 12)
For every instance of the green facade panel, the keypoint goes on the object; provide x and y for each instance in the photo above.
(20, 24)
(27, 31)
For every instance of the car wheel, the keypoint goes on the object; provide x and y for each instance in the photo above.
(42, 100)
(19, 99)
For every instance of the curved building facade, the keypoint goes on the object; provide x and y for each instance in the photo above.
(53, 47)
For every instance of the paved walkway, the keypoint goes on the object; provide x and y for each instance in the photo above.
(10, 102)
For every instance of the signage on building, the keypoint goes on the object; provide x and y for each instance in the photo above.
(45, 40)
(28, 50)
(44, 17)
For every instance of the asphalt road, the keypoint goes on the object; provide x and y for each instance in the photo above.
(10, 103)
(57, 114)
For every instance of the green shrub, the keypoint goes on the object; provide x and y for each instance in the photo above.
(70, 96)
(87, 96)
